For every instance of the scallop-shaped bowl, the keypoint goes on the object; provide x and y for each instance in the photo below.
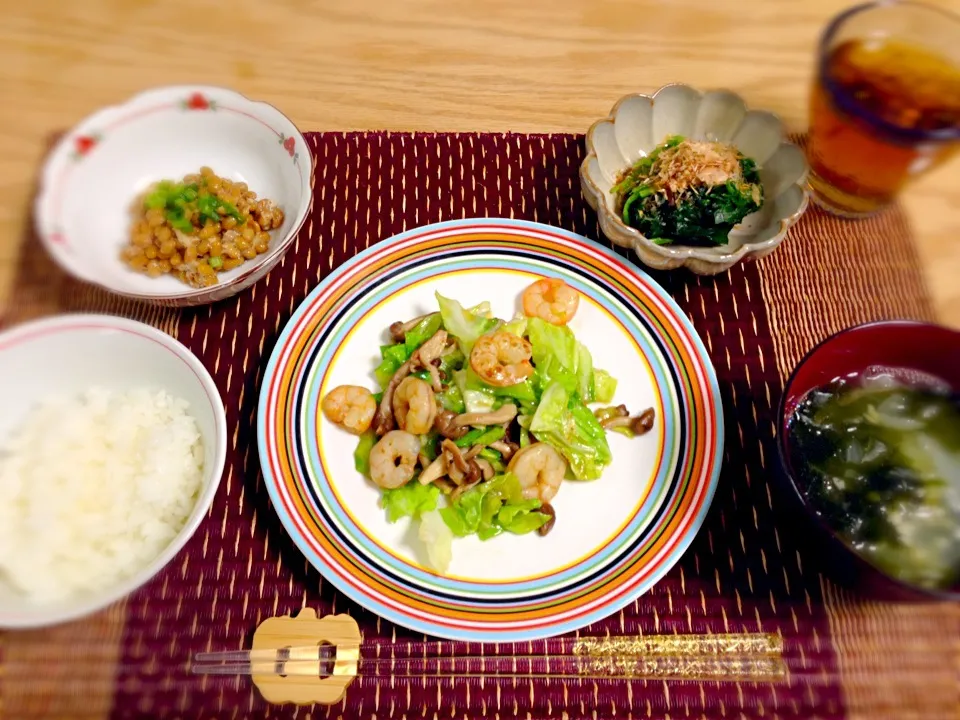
(638, 123)
(91, 177)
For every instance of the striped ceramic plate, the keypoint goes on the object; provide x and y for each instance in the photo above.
(613, 538)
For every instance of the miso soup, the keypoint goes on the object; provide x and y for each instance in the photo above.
(878, 456)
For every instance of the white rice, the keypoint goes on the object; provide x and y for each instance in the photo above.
(93, 488)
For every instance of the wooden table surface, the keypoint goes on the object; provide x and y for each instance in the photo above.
(535, 65)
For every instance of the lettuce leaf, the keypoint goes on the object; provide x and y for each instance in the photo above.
(565, 422)
(493, 507)
(437, 539)
(517, 326)
(476, 397)
(465, 325)
(605, 386)
(560, 358)
(411, 500)
(554, 354)
(586, 385)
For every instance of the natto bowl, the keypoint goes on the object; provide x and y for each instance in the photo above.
(93, 174)
(922, 347)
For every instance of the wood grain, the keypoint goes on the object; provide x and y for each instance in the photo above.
(537, 65)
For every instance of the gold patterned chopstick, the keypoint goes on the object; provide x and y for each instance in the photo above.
(665, 667)
(645, 645)
(306, 659)
(753, 656)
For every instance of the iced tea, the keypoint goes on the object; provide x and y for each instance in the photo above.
(883, 110)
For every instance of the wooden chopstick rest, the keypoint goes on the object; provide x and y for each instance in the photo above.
(307, 631)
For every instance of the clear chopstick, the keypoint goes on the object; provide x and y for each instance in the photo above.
(756, 657)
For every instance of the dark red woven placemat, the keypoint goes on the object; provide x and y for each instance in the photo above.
(747, 571)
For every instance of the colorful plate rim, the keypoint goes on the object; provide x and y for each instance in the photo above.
(443, 616)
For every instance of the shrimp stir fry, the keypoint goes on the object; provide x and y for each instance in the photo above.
(502, 359)
(457, 419)
(393, 460)
(540, 470)
(351, 407)
(551, 300)
(414, 406)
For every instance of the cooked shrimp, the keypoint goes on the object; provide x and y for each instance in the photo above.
(551, 300)
(540, 469)
(414, 406)
(351, 407)
(393, 460)
(383, 421)
(502, 358)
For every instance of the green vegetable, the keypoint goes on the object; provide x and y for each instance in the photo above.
(428, 444)
(641, 169)
(437, 540)
(483, 436)
(493, 507)
(494, 458)
(409, 500)
(586, 385)
(168, 195)
(451, 399)
(605, 386)
(699, 214)
(555, 353)
(178, 201)
(452, 361)
(209, 206)
(477, 398)
(178, 220)
(361, 456)
(465, 325)
(517, 326)
(559, 358)
(522, 391)
(393, 356)
(525, 431)
(421, 332)
(216, 262)
(566, 423)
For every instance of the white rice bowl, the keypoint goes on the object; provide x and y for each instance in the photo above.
(92, 489)
(113, 440)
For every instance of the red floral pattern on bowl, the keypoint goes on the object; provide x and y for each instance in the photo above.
(198, 101)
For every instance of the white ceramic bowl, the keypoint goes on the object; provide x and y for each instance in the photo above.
(638, 123)
(68, 354)
(91, 177)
